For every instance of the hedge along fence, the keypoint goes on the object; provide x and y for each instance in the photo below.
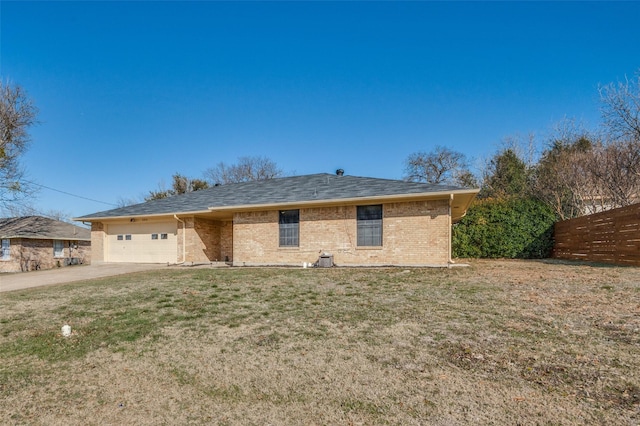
(505, 228)
(612, 236)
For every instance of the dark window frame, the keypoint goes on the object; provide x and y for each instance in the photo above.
(369, 225)
(289, 228)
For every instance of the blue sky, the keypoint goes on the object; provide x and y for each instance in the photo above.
(131, 92)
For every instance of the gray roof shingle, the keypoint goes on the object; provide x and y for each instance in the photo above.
(316, 187)
(38, 227)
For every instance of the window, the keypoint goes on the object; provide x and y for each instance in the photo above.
(5, 254)
(163, 236)
(127, 237)
(289, 228)
(120, 237)
(154, 236)
(370, 225)
(58, 248)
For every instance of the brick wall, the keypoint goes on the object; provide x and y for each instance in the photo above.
(15, 262)
(226, 241)
(31, 254)
(414, 233)
(206, 240)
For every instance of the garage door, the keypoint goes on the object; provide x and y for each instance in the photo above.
(142, 242)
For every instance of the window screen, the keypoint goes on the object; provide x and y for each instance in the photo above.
(289, 228)
(370, 225)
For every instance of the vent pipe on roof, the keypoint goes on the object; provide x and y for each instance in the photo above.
(340, 172)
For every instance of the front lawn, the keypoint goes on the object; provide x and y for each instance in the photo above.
(502, 342)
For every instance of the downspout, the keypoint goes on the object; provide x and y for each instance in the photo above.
(184, 240)
(450, 261)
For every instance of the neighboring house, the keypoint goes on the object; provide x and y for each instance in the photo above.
(35, 242)
(288, 221)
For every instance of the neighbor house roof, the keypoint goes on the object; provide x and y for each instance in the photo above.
(38, 227)
(316, 189)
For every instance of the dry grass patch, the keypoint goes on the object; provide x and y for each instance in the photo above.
(501, 342)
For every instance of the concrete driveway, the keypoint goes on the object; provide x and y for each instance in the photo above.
(22, 280)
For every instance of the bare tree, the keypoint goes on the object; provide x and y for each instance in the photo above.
(588, 176)
(621, 109)
(564, 178)
(580, 173)
(442, 165)
(616, 171)
(19, 209)
(247, 169)
(17, 114)
(129, 201)
(524, 147)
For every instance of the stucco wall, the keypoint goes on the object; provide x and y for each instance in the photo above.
(97, 242)
(414, 233)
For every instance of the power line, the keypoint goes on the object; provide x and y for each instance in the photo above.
(70, 194)
(28, 210)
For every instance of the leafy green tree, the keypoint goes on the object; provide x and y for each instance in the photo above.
(507, 176)
(505, 228)
(180, 185)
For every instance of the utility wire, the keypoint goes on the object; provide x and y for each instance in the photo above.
(70, 194)
(28, 210)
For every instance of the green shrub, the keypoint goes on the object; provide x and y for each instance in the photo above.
(505, 228)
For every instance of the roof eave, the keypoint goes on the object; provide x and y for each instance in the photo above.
(455, 219)
(128, 216)
(469, 193)
(341, 201)
(45, 237)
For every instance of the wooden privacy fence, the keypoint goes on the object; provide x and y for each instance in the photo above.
(609, 237)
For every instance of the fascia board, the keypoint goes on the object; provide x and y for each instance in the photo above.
(352, 200)
(129, 216)
(44, 237)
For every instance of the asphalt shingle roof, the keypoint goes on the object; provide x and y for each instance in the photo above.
(316, 187)
(41, 228)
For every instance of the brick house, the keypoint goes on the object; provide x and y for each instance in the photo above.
(288, 221)
(36, 242)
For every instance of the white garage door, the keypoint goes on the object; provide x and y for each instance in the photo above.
(142, 242)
